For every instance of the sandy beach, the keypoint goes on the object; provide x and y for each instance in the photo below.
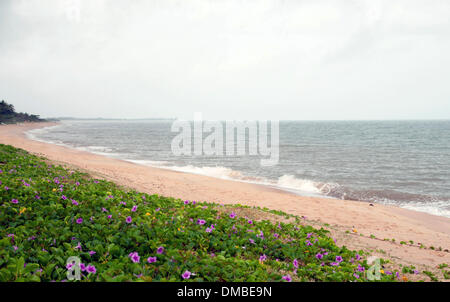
(346, 220)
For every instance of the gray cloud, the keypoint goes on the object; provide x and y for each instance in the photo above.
(228, 59)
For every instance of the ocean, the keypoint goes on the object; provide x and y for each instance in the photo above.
(403, 163)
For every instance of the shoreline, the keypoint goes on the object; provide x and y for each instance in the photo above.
(381, 221)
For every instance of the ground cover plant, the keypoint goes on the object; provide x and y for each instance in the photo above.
(49, 213)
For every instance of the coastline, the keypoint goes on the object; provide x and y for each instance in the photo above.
(382, 221)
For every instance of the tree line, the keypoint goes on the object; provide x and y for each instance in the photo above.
(8, 115)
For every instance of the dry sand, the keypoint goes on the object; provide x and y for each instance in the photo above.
(384, 222)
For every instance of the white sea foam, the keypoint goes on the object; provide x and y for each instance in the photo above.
(438, 208)
(285, 182)
(151, 163)
(293, 183)
(34, 133)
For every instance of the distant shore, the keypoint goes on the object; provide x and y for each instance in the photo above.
(357, 225)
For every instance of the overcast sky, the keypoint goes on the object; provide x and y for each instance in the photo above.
(246, 59)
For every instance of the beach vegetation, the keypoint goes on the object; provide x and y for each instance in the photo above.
(49, 213)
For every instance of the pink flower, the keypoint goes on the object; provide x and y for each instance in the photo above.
(15, 201)
(80, 220)
(91, 269)
(128, 219)
(287, 278)
(134, 257)
(210, 229)
(160, 250)
(134, 209)
(151, 259)
(232, 215)
(186, 275)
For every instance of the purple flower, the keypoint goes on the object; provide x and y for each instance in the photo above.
(15, 201)
(262, 258)
(356, 276)
(308, 235)
(201, 222)
(104, 210)
(250, 222)
(151, 259)
(252, 241)
(358, 257)
(360, 268)
(232, 215)
(295, 263)
(134, 257)
(287, 278)
(91, 269)
(128, 220)
(80, 220)
(319, 256)
(339, 259)
(109, 216)
(63, 197)
(69, 266)
(160, 250)
(186, 275)
(82, 267)
(186, 202)
(134, 209)
(92, 253)
(308, 243)
(74, 202)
